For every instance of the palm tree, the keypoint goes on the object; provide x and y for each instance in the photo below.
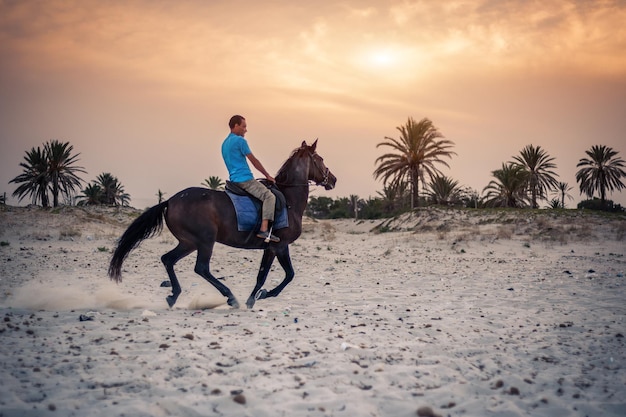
(214, 183)
(469, 197)
(123, 199)
(602, 171)
(563, 188)
(394, 198)
(34, 180)
(554, 204)
(108, 184)
(61, 169)
(419, 148)
(507, 190)
(92, 195)
(444, 190)
(160, 195)
(112, 190)
(49, 169)
(355, 205)
(540, 179)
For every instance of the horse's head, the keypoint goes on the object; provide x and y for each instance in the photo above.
(318, 171)
(305, 165)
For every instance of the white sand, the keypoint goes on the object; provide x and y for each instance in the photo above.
(490, 315)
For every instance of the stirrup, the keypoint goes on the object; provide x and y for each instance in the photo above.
(268, 236)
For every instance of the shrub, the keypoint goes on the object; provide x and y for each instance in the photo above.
(596, 204)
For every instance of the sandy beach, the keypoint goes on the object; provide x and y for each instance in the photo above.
(439, 313)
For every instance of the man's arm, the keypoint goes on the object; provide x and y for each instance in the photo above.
(259, 166)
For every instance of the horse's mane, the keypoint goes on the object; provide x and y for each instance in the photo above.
(285, 174)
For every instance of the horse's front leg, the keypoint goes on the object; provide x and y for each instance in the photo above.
(264, 269)
(285, 262)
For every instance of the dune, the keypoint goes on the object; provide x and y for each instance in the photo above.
(440, 312)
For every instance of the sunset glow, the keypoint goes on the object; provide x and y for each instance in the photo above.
(144, 89)
(383, 59)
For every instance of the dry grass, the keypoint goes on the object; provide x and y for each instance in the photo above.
(69, 233)
(457, 224)
(581, 231)
(547, 226)
(467, 234)
(39, 235)
(504, 231)
(551, 234)
(328, 232)
(542, 222)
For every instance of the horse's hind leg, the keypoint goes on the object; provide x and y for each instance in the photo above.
(169, 260)
(202, 269)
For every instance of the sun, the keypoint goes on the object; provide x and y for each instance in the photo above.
(388, 63)
(382, 58)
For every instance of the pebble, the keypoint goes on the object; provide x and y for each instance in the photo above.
(427, 412)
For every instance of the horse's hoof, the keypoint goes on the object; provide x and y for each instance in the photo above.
(233, 303)
(260, 294)
(250, 303)
(171, 300)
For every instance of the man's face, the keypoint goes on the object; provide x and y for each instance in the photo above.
(241, 129)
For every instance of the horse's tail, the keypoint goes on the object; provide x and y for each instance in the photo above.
(145, 226)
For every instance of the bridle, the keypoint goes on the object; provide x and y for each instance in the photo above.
(325, 174)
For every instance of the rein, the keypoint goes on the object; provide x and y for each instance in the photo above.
(285, 185)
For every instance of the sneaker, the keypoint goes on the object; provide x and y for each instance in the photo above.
(268, 236)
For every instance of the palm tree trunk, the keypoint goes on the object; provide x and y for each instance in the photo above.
(55, 193)
(414, 189)
(602, 196)
(602, 188)
(44, 199)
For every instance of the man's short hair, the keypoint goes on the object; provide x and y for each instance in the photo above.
(235, 120)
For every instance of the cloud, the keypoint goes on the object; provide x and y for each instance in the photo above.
(129, 72)
(518, 35)
(200, 45)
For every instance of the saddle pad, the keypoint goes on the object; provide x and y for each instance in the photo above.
(249, 213)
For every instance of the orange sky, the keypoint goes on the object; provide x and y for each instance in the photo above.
(144, 89)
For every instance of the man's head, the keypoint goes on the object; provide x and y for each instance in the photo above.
(238, 125)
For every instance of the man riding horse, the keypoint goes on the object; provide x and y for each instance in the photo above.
(235, 150)
(199, 217)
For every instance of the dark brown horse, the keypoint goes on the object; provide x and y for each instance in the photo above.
(199, 217)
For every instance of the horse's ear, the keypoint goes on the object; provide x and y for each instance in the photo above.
(314, 145)
(303, 144)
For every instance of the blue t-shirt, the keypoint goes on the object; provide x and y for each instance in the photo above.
(234, 151)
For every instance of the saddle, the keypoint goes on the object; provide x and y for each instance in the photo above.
(281, 202)
(248, 208)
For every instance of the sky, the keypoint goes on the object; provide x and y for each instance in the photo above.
(144, 89)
